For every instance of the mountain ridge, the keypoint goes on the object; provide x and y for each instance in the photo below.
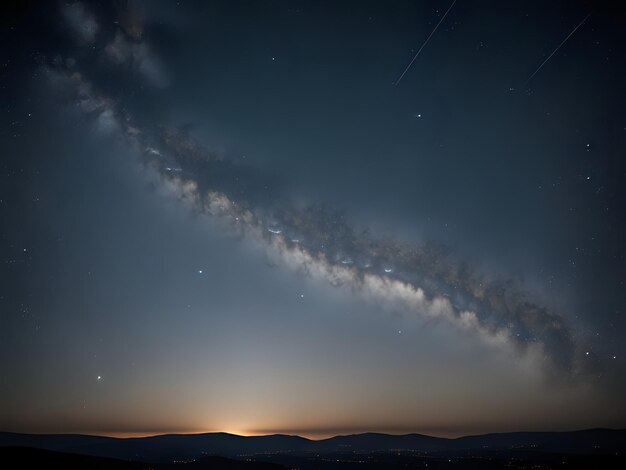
(170, 447)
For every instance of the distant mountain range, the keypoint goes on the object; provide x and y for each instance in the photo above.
(184, 447)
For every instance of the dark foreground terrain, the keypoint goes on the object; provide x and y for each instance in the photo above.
(30, 458)
(596, 448)
(381, 460)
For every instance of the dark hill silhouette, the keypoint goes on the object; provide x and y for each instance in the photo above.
(590, 441)
(369, 442)
(169, 447)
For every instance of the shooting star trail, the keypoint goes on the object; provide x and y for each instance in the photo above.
(424, 45)
(555, 50)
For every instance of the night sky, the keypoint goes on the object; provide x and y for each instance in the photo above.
(312, 217)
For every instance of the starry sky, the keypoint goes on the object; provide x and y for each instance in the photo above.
(312, 217)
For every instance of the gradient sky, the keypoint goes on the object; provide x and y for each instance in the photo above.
(130, 305)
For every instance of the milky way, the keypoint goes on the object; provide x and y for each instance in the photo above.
(424, 279)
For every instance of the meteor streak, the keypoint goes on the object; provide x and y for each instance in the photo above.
(555, 50)
(424, 44)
